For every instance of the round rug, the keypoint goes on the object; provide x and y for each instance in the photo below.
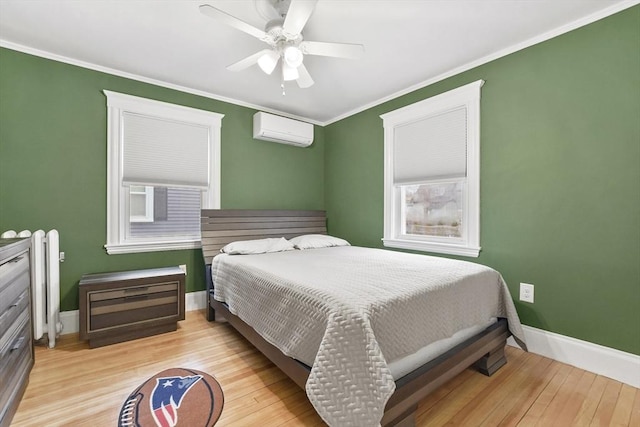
(174, 397)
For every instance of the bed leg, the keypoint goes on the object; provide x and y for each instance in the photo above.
(492, 361)
(214, 316)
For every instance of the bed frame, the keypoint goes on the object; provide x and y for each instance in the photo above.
(485, 350)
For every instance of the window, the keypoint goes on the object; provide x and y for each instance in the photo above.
(432, 174)
(163, 166)
(173, 211)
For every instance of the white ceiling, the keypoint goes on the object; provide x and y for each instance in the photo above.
(408, 44)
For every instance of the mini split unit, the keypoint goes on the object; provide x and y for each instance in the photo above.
(269, 127)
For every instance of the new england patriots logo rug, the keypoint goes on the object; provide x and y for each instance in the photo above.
(174, 397)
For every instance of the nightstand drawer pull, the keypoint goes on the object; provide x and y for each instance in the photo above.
(136, 290)
(130, 298)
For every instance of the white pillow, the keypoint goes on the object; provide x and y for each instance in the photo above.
(259, 246)
(314, 241)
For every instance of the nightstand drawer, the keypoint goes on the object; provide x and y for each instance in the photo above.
(131, 305)
(133, 291)
(129, 317)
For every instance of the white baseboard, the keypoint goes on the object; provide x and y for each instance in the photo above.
(71, 319)
(611, 363)
(70, 322)
(195, 301)
(606, 361)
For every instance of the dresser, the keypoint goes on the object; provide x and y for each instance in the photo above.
(126, 305)
(16, 344)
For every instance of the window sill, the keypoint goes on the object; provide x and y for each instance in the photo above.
(441, 248)
(130, 248)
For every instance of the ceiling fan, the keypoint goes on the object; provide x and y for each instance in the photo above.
(283, 34)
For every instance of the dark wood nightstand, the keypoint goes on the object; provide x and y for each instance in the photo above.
(122, 306)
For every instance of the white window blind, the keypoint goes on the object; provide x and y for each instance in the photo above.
(163, 152)
(431, 148)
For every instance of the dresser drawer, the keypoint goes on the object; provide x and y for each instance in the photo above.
(13, 310)
(9, 339)
(16, 379)
(16, 347)
(14, 279)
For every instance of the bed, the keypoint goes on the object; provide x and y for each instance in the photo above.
(331, 330)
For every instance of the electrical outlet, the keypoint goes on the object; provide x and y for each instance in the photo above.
(526, 292)
(183, 267)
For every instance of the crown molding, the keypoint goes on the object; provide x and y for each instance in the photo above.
(499, 54)
(95, 67)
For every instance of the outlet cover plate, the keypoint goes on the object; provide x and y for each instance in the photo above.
(526, 292)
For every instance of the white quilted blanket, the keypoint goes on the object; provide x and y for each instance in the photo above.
(347, 311)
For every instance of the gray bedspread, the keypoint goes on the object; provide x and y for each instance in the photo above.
(347, 311)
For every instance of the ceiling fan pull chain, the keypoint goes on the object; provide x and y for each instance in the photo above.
(282, 81)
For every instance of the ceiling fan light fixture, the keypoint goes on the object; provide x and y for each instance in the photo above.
(293, 56)
(289, 73)
(283, 33)
(268, 62)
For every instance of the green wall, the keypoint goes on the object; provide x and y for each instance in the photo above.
(560, 177)
(53, 173)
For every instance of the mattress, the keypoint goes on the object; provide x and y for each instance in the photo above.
(353, 313)
(404, 365)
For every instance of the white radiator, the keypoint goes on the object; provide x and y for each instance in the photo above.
(45, 282)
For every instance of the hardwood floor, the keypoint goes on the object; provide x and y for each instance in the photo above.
(73, 385)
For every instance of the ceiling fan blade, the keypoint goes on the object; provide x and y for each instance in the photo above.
(267, 10)
(297, 16)
(232, 21)
(248, 61)
(304, 80)
(337, 50)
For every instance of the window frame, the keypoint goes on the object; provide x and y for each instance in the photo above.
(117, 194)
(467, 96)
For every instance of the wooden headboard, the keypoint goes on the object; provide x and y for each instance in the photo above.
(222, 226)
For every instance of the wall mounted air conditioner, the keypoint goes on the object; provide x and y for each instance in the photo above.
(269, 127)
